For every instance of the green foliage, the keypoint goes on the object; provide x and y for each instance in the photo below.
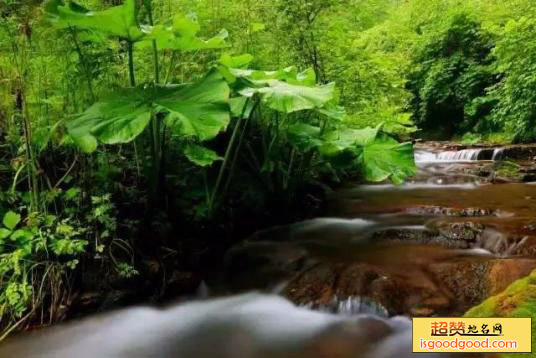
(201, 155)
(117, 21)
(288, 91)
(516, 94)
(180, 34)
(283, 90)
(377, 156)
(199, 110)
(11, 220)
(450, 75)
(387, 159)
(24, 248)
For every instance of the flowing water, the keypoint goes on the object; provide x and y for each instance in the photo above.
(437, 245)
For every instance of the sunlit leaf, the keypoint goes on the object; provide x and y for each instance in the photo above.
(21, 234)
(119, 118)
(4, 233)
(181, 35)
(336, 112)
(349, 137)
(241, 106)
(285, 90)
(200, 155)
(11, 219)
(241, 61)
(387, 159)
(117, 21)
(199, 110)
(288, 98)
(256, 27)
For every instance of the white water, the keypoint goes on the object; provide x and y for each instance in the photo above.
(460, 155)
(465, 155)
(248, 326)
(351, 306)
(497, 153)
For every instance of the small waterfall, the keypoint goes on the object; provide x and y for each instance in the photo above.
(351, 306)
(465, 155)
(497, 154)
(461, 155)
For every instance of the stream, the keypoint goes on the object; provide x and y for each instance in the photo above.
(342, 285)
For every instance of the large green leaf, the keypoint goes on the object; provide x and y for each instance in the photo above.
(334, 112)
(181, 35)
(240, 61)
(200, 155)
(117, 21)
(377, 156)
(241, 106)
(119, 118)
(304, 136)
(285, 90)
(288, 98)
(198, 110)
(348, 138)
(288, 74)
(387, 159)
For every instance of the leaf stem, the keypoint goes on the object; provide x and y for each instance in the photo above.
(84, 63)
(131, 64)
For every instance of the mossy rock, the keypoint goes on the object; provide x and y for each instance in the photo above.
(518, 300)
(508, 169)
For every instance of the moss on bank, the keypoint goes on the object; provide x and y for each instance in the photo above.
(518, 300)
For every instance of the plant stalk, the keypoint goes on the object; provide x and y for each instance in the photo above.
(227, 157)
(131, 64)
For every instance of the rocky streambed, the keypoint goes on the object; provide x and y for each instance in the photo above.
(459, 232)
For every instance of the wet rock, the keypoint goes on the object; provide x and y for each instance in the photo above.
(483, 172)
(530, 226)
(528, 170)
(421, 312)
(456, 235)
(466, 231)
(325, 281)
(520, 152)
(503, 272)
(402, 235)
(446, 211)
(463, 285)
(527, 178)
